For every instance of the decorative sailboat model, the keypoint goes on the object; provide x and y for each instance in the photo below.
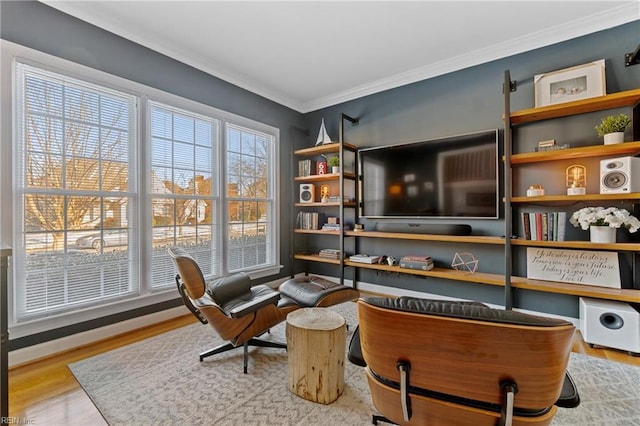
(323, 136)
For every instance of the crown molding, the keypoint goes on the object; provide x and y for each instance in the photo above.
(613, 17)
(574, 29)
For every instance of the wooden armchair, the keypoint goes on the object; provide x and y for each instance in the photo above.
(434, 362)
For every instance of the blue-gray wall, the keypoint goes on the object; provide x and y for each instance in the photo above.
(43, 28)
(470, 100)
(460, 102)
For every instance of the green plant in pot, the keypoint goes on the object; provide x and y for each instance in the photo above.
(334, 163)
(612, 128)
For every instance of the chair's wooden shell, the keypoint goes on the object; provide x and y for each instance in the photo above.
(235, 330)
(465, 358)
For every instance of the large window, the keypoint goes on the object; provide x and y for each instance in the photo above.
(75, 176)
(103, 180)
(184, 184)
(249, 203)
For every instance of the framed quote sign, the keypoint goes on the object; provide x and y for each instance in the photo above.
(600, 268)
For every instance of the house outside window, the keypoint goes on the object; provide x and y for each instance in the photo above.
(75, 180)
(107, 173)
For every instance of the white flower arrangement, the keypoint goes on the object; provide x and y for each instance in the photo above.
(600, 216)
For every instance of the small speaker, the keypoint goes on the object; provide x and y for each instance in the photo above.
(307, 193)
(620, 175)
(611, 324)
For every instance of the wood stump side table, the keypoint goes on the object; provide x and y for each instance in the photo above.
(316, 341)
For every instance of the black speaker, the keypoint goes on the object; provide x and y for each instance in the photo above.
(307, 193)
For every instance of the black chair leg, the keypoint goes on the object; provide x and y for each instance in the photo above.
(217, 350)
(378, 418)
(245, 358)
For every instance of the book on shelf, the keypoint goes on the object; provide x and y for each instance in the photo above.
(307, 167)
(544, 226)
(329, 253)
(416, 264)
(310, 220)
(334, 227)
(364, 258)
(416, 258)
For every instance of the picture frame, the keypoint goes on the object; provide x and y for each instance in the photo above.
(570, 84)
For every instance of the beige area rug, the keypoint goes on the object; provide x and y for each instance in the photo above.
(161, 381)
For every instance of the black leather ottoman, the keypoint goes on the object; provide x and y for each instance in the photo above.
(310, 291)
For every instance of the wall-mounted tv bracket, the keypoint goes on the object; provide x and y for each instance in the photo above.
(632, 58)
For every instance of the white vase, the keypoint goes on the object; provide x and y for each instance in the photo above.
(612, 138)
(335, 169)
(602, 234)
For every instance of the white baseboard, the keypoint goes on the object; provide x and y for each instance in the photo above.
(46, 349)
(42, 350)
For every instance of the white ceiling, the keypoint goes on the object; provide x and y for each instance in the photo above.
(311, 54)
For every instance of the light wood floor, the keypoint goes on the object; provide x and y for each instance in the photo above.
(46, 393)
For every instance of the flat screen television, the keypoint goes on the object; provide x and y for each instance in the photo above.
(450, 177)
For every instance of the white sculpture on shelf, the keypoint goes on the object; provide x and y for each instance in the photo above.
(323, 136)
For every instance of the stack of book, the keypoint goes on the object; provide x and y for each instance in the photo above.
(330, 253)
(310, 220)
(422, 263)
(306, 167)
(331, 227)
(364, 258)
(544, 226)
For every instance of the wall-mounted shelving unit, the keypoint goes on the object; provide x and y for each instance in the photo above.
(344, 183)
(512, 162)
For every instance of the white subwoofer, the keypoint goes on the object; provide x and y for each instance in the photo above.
(611, 324)
(620, 175)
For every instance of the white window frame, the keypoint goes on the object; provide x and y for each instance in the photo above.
(8, 53)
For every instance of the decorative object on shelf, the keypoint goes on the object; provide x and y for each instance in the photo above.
(417, 262)
(321, 168)
(334, 163)
(307, 193)
(546, 145)
(535, 191)
(465, 262)
(576, 179)
(620, 175)
(612, 128)
(323, 136)
(602, 234)
(600, 268)
(610, 217)
(570, 84)
(325, 193)
(358, 227)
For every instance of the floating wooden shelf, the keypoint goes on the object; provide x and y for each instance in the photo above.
(621, 295)
(578, 245)
(324, 149)
(573, 198)
(627, 148)
(615, 100)
(316, 258)
(325, 177)
(327, 204)
(316, 231)
(428, 237)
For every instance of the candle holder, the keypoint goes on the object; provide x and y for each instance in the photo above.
(576, 180)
